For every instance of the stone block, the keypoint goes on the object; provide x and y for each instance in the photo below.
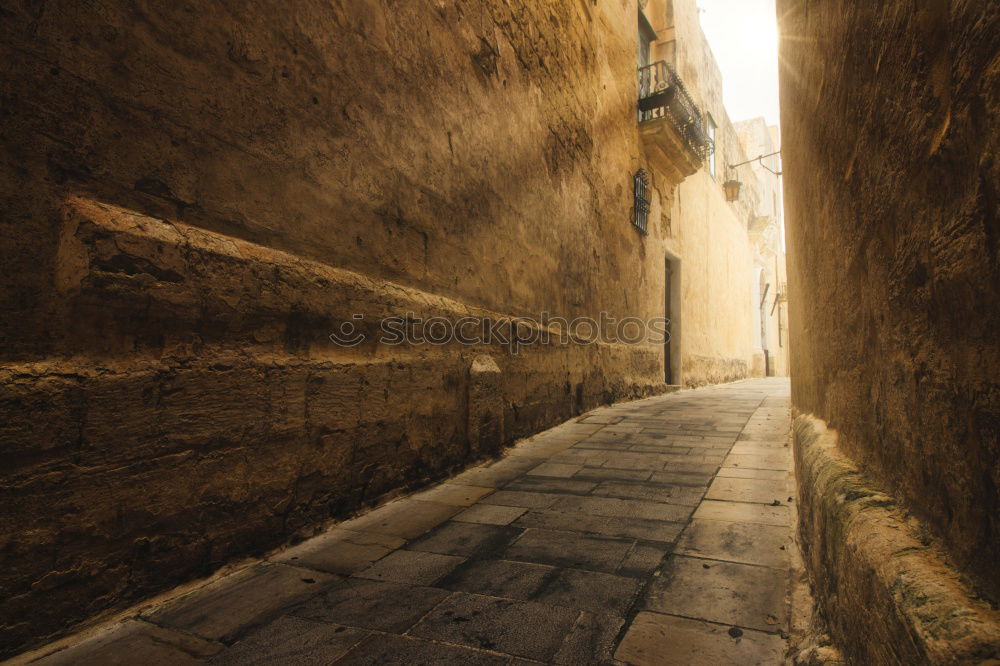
(411, 567)
(569, 549)
(498, 578)
(490, 514)
(466, 539)
(591, 640)
(406, 651)
(404, 519)
(135, 641)
(371, 604)
(340, 551)
(521, 628)
(741, 595)
(591, 591)
(485, 420)
(292, 641)
(228, 607)
(750, 543)
(664, 640)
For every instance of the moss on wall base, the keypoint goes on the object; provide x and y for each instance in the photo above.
(888, 592)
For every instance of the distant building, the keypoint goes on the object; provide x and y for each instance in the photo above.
(768, 242)
(723, 264)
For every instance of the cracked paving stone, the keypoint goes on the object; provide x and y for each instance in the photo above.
(371, 604)
(590, 591)
(227, 607)
(643, 560)
(605, 474)
(687, 495)
(522, 498)
(605, 526)
(292, 641)
(498, 578)
(693, 479)
(775, 461)
(664, 640)
(466, 539)
(520, 628)
(555, 470)
(136, 642)
(740, 512)
(495, 474)
(760, 491)
(453, 493)
(766, 545)
(406, 519)
(591, 641)
(569, 549)
(407, 651)
(551, 485)
(414, 568)
(490, 514)
(748, 473)
(613, 507)
(705, 470)
(340, 551)
(725, 592)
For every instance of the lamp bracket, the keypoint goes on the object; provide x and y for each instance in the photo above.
(760, 158)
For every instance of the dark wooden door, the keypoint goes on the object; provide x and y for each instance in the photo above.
(668, 315)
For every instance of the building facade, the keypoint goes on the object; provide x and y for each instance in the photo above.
(770, 298)
(721, 251)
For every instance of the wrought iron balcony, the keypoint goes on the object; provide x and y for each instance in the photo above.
(662, 96)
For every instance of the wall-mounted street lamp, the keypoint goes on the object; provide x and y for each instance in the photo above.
(732, 189)
(732, 186)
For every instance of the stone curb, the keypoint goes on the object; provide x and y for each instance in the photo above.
(890, 597)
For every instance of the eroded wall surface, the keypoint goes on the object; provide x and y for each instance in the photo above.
(891, 172)
(196, 195)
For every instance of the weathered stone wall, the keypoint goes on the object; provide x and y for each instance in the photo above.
(194, 196)
(889, 595)
(891, 172)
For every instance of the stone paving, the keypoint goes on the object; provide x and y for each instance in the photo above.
(650, 532)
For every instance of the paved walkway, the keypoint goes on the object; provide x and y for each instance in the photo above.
(613, 538)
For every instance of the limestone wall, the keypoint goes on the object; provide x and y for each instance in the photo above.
(716, 274)
(891, 172)
(195, 195)
(708, 234)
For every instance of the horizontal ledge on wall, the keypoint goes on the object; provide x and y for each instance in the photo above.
(197, 288)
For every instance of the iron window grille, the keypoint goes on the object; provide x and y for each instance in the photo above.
(640, 205)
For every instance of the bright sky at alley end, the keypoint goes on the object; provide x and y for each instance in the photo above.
(743, 35)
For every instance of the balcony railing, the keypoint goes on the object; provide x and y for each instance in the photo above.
(662, 95)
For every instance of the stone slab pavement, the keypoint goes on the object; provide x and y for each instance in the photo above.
(649, 532)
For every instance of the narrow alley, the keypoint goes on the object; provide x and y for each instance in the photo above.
(578, 332)
(656, 531)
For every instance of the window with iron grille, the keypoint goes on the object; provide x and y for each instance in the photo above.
(640, 205)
